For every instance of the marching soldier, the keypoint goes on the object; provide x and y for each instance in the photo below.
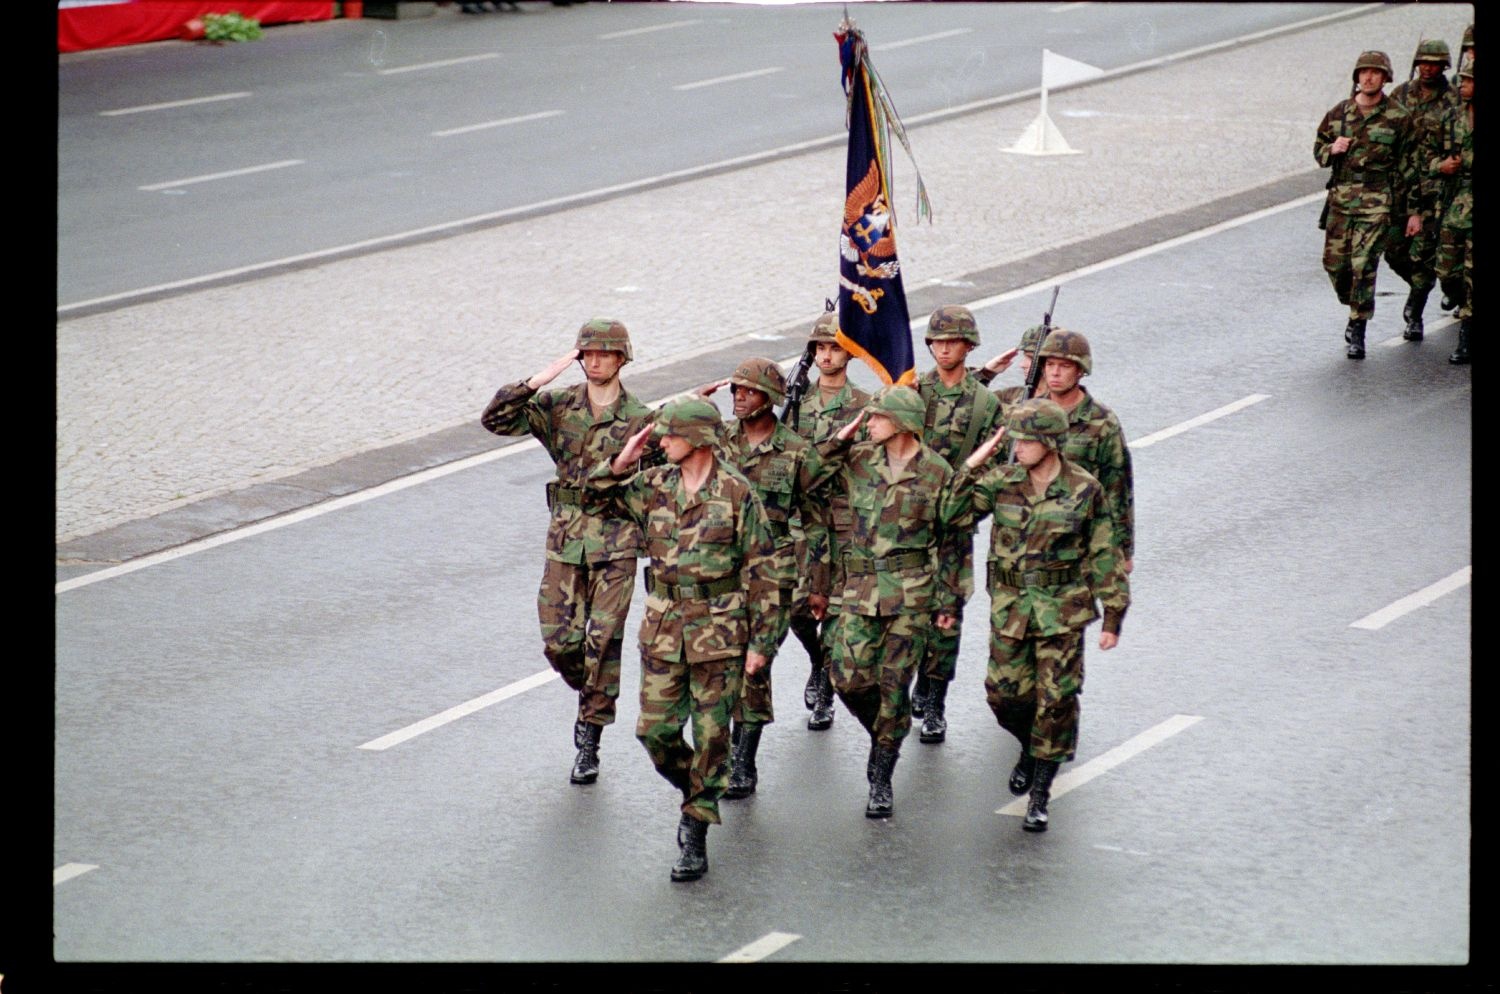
(588, 577)
(823, 410)
(1411, 250)
(1366, 141)
(1450, 162)
(1052, 557)
(778, 463)
(711, 604)
(960, 413)
(900, 568)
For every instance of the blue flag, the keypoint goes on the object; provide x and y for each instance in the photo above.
(873, 321)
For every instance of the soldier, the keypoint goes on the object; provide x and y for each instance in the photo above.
(1366, 141)
(1411, 250)
(589, 574)
(823, 410)
(711, 591)
(900, 571)
(1450, 161)
(1051, 558)
(1465, 54)
(1022, 353)
(1094, 439)
(778, 463)
(960, 414)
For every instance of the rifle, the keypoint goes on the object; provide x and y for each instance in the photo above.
(796, 386)
(1335, 170)
(1034, 374)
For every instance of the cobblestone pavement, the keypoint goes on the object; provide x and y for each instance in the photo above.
(163, 405)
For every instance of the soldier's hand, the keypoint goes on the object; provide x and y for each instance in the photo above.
(978, 457)
(631, 453)
(945, 621)
(847, 432)
(817, 606)
(1002, 362)
(552, 372)
(1129, 564)
(1414, 226)
(708, 389)
(1449, 166)
(754, 662)
(1340, 145)
(1108, 640)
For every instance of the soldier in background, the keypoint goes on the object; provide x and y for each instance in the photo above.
(778, 463)
(588, 577)
(1411, 249)
(1450, 162)
(1052, 557)
(711, 604)
(1366, 141)
(960, 413)
(1022, 353)
(831, 403)
(900, 571)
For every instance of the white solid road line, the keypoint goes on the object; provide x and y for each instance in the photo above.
(919, 40)
(761, 948)
(459, 711)
(169, 184)
(438, 64)
(1103, 764)
(1202, 419)
(70, 870)
(496, 124)
(173, 103)
(1064, 8)
(730, 79)
(641, 31)
(1409, 603)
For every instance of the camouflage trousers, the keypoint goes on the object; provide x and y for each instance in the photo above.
(582, 609)
(1413, 259)
(675, 694)
(754, 704)
(1455, 267)
(872, 662)
(940, 661)
(1033, 686)
(1351, 253)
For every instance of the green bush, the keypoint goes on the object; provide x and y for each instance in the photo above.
(230, 27)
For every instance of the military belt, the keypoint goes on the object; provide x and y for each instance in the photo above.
(1047, 578)
(1365, 177)
(880, 564)
(694, 591)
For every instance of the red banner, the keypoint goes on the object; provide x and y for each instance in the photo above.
(84, 25)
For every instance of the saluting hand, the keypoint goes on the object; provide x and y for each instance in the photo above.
(847, 432)
(978, 457)
(708, 389)
(552, 372)
(631, 453)
(1002, 362)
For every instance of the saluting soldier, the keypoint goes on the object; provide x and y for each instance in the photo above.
(1022, 353)
(832, 402)
(1052, 562)
(711, 602)
(779, 464)
(588, 576)
(1366, 141)
(1450, 163)
(960, 413)
(901, 563)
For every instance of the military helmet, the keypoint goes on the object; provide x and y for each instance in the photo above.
(825, 329)
(690, 418)
(952, 321)
(1064, 344)
(1373, 60)
(1037, 419)
(1466, 68)
(763, 375)
(1030, 338)
(1433, 50)
(604, 335)
(903, 405)
(1468, 41)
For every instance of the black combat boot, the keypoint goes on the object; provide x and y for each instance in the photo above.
(692, 863)
(934, 723)
(1041, 793)
(814, 679)
(1021, 773)
(1354, 334)
(919, 694)
(822, 716)
(742, 774)
(1416, 302)
(1460, 356)
(881, 765)
(1447, 303)
(586, 765)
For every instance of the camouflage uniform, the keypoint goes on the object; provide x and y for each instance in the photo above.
(1455, 255)
(1370, 189)
(712, 589)
(900, 569)
(1051, 557)
(588, 578)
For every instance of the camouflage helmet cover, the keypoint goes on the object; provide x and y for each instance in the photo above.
(763, 375)
(1030, 338)
(1038, 420)
(691, 418)
(903, 405)
(1433, 50)
(825, 329)
(604, 335)
(1373, 60)
(1064, 344)
(1468, 41)
(953, 321)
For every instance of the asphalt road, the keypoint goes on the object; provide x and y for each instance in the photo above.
(1289, 788)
